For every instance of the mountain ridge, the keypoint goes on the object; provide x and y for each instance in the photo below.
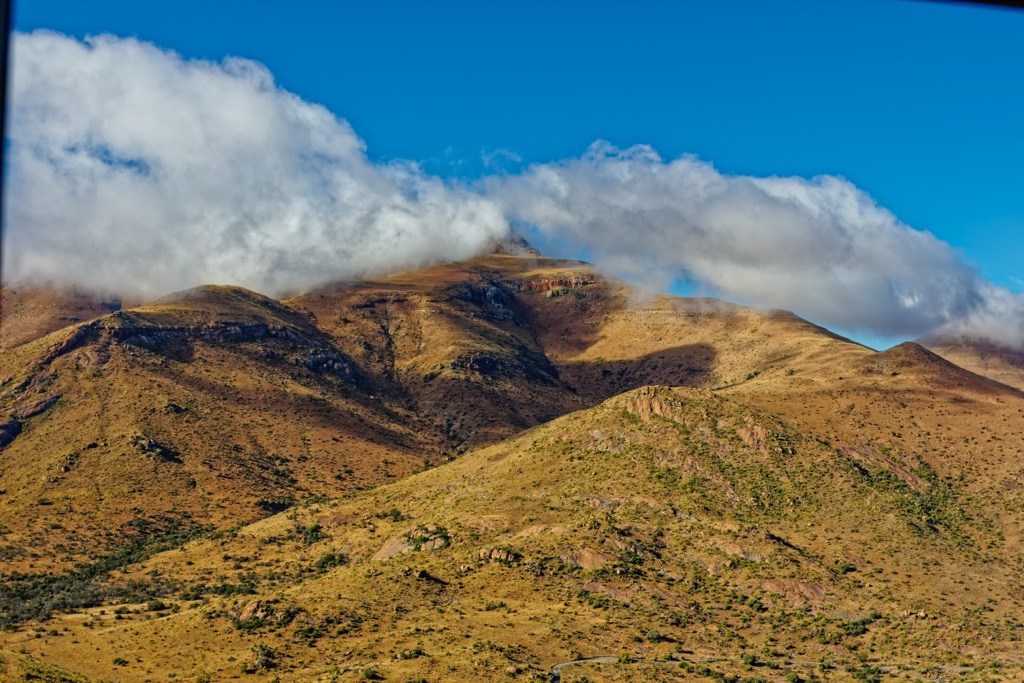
(515, 431)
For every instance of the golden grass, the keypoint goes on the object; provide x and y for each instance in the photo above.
(788, 495)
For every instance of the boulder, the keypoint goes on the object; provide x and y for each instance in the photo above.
(34, 408)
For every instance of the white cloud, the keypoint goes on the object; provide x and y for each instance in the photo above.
(998, 318)
(821, 247)
(135, 171)
(500, 158)
(132, 169)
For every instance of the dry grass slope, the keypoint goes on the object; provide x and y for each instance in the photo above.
(995, 362)
(693, 489)
(665, 525)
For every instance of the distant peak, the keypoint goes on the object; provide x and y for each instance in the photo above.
(516, 245)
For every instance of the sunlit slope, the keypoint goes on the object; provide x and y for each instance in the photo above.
(908, 401)
(663, 523)
(996, 362)
(213, 406)
(28, 311)
(504, 341)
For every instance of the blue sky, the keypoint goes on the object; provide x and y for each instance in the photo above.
(918, 104)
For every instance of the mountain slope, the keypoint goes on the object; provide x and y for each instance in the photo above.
(789, 497)
(220, 405)
(505, 341)
(211, 406)
(985, 358)
(664, 524)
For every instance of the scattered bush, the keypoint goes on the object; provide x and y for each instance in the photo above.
(262, 658)
(25, 596)
(394, 514)
(331, 559)
(155, 605)
(309, 533)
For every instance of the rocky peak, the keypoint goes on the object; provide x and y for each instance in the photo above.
(516, 245)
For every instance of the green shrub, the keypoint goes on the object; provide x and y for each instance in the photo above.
(262, 658)
(394, 514)
(154, 606)
(331, 559)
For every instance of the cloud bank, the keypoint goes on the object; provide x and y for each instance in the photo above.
(133, 170)
(820, 246)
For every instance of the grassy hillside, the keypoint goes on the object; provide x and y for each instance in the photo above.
(674, 530)
(214, 407)
(481, 470)
(985, 358)
(219, 405)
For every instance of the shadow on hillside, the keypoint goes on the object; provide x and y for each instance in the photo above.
(680, 366)
(301, 410)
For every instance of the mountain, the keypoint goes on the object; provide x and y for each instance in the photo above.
(211, 406)
(218, 405)
(996, 362)
(690, 485)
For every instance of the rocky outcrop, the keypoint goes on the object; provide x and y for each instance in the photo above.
(525, 363)
(76, 338)
(94, 356)
(33, 408)
(155, 337)
(651, 401)
(321, 361)
(502, 554)
(423, 537)
(542, 285)
(154, 448)
(255, 610)
(587, 558)
(797, 592)
(494, 301)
